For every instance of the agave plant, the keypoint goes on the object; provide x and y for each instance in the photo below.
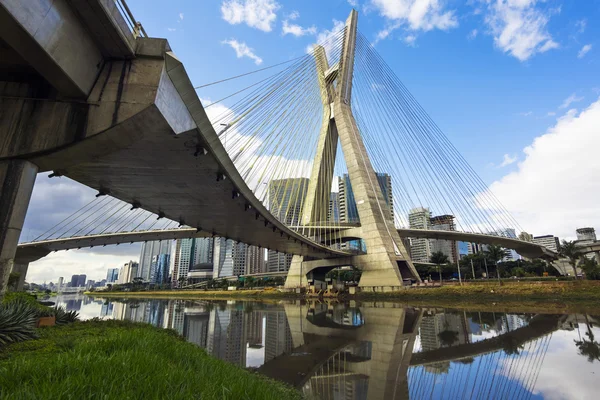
(65, 317)
(17, 322)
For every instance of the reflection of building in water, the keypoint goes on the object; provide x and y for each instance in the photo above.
(195, 325)
(226, 336)
(155, 313)
(510, 322)
(132, 311)
(177, 315)
(443, 330)
(106, 309)
(278, 338)
(254, 329)
(73, 304)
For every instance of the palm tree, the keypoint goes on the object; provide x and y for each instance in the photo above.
(589, 348)
(495, 253)
(438, 258)
(570, 251)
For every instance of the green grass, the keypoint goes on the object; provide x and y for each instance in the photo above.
(124, 360)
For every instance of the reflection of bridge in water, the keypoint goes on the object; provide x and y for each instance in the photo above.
(374, 351)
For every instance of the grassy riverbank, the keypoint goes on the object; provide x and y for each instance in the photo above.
(492, 290)
(123, 360)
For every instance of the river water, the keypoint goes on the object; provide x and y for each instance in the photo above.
(383, 350)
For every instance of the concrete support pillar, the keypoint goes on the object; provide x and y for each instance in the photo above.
(17, 178)
(21, 269)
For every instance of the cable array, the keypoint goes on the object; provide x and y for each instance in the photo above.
(403, 141)
(271, 132)
(106, 215)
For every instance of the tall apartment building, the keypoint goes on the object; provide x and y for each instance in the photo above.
(148, 252)
(333, 214)
(286, 198)
(128, 272)
(526, 237)
(551, 242)
(448, 247)
(255, 260)
(420, 249)
(347, 202)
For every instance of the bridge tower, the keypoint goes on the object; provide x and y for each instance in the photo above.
(386, 262)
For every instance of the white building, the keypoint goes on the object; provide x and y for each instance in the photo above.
(549, 241)
(420, 249)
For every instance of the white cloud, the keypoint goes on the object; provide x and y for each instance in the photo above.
(551, 114)
(181, 16)
(294, 15)
(410, 40)
(171, 29)
(67, 263)
(353, 3)
(473, 34)
(325, 37)
(297, 30)
(259, 14)
(581, 25)
(417, 15)
(570, 100)
(526, 114)
(519, 27)
(555, 188)
(561, 363)
(507, 160)
(242, 50)
(584, 50)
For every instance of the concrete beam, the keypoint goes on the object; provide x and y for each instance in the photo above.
(49, 35)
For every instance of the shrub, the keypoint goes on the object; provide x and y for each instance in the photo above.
(65, 317)
(17, 322)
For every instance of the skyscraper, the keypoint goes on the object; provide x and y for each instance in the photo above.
(420, 249)
(112, 275)
(347, 203)
(223, 257)
(74, 279)
(240, 258)
(147, 254)
(448, 247)
(128, 272)
(286, 197)
(586, 234)
(159, 269)
(255, 260)
(333, 214)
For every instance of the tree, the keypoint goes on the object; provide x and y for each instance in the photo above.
(438, 258)
(591, 269)
(495, 253)
(589, 348)
(569, 250)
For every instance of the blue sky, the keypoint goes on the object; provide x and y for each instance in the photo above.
(492, 74)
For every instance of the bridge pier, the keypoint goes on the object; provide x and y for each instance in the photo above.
(17, 178)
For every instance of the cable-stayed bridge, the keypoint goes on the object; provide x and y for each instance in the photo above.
(116, 111)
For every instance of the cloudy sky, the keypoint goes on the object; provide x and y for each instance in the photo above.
(512, 83)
